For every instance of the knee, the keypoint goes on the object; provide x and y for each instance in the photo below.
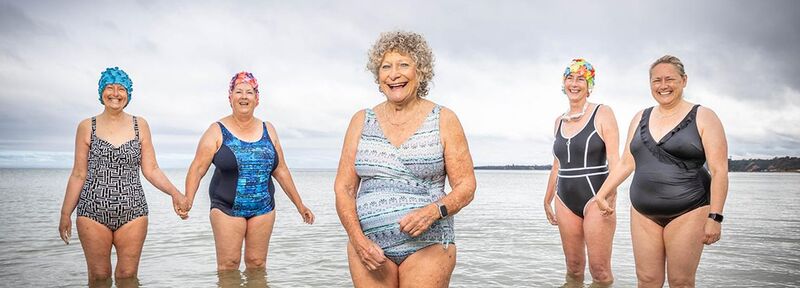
(680, 282)
(601, 273)
(575, 267)
(99, 275)
(125, 272)
(228, 264)
(255, 262)
(650, 279)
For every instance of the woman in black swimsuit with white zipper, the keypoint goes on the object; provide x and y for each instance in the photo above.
(676, 204)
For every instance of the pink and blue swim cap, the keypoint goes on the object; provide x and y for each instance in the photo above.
(244, 77)
(114, 76)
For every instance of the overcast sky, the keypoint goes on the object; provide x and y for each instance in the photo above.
(498, 66)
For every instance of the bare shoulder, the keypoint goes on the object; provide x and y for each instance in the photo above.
(357, 121)
(605, 110)
(448, 117)
(705, 114)
(85, 125)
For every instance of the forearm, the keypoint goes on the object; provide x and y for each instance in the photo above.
(193, 177)
(156, 177)
(461, 195)
(615, 177)
(551, 188)
(346, 209)
(287, 185)
(72, 194)
(719, 191)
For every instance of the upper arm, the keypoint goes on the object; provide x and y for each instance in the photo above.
(148, 152)
(712, 135)
(207, 147)
(83, 138)
(457, 159)
(346, 177)
(273, 136)
(608, 130)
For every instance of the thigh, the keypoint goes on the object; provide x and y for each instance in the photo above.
(431, 266)
(259, 231)
(599, 233)
(229, 233)
(570, 226)
(96, 240)
(386, 276)
(683, 241)
(128, 241)
(648, 246)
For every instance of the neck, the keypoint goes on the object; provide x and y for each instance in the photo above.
(113, 114)
(672, 106)
(577, 106)
(405, 106)
(242, 119)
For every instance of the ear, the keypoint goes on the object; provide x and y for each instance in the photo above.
(685, 78)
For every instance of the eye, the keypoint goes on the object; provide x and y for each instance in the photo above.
(405, 65)
(385, 66)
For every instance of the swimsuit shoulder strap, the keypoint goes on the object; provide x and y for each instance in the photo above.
(136, 127)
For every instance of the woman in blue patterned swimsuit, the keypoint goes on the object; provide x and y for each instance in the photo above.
(110, 150)
(390, 183)
(247, 154)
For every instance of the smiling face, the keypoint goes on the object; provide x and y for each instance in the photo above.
(397, 77)
(115, 96)
(666, 83)
(243, 98)
(576, 87)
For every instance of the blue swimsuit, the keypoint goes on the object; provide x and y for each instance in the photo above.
(398, 180)
(242, 182)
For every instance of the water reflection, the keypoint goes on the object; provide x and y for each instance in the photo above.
(252, 278)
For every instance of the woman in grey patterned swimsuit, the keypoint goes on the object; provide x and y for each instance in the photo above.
(110, 149)
(390, 184)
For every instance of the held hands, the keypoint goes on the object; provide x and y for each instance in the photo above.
(308, 216)
(65, 228)
(181, 205)
(551, 217)
(370, 254)
(418, 221)
(713, 232)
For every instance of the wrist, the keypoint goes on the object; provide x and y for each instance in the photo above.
(716, 217)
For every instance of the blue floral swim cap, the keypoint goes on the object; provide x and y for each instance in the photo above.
(114, 76)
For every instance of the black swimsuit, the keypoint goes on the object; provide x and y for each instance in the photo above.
(670, 179)
(582, 165)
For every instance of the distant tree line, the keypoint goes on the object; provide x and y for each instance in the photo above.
(777, 164)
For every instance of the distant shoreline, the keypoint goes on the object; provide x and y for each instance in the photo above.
(777, 164)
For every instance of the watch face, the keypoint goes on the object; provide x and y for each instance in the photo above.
(443, 211)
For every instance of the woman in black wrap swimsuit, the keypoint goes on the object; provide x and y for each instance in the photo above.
(676, 203)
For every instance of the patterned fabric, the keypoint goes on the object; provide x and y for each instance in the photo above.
(398, 180)
(112, 193)
(243, 77)
(242, 183)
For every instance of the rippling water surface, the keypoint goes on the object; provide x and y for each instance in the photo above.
(503, 238)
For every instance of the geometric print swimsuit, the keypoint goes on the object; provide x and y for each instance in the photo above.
(112, 193)
(398, 180)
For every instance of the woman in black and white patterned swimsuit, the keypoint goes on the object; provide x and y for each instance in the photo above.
(105, 186)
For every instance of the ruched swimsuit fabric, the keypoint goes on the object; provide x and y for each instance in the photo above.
(669, 179)
(242, 183)
(112, 194)
(582, 165)
(398, 180)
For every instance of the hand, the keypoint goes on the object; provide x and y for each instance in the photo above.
(713, 231)
(551, 217)
(370, 254)
(308, 216)
(419, 220)
(65, 228)
(605, 208)
(181, 205)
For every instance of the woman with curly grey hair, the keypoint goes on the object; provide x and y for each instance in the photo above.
(390, 183)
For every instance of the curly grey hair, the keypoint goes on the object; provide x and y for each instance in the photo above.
(406, 43)
(669, 59)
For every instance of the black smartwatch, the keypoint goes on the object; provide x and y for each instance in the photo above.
(442, 209)
(716, 217)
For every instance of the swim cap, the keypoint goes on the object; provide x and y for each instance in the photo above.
(114, 76)
(583, 68)
(245, 77)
